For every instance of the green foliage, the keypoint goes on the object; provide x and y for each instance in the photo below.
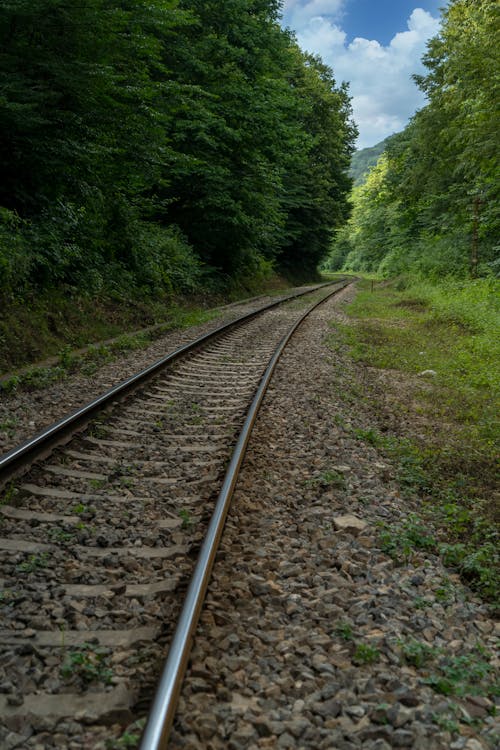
(130, 737)
(462, 675)
(151, 147)
(365, 653)
(417, 653)
(186, 518)
(451, 458)
(344, 630)
(327, 479)
(399, 541)
(364, 159)
(88, 663)
(430, 205)
(33, 563)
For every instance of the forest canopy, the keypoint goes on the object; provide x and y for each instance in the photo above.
(148, 145)
(430, 205)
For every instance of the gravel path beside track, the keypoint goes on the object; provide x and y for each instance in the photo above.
(312, 636)
(25, 413)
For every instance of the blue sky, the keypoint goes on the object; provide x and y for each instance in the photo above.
(376, 45)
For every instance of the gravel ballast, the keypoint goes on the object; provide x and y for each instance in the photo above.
(312, 635)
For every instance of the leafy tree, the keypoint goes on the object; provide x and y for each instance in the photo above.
(431, 203)
(145, 141)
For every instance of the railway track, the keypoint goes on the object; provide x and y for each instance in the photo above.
(99, 536)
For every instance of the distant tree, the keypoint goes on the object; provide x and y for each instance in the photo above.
(432, 203)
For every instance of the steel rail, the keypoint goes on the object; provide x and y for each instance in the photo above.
(161, 716)
(42, 444)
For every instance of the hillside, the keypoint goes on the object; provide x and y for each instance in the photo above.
(364, 159)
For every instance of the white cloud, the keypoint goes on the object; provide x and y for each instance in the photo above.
(383, 93)
(297, 12)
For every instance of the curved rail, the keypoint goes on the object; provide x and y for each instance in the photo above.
(43, 443)
(161, 716)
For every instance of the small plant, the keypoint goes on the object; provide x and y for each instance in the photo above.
(463, 675)
(129, 739)
(90, 665)
(185, 516)
(89, 368)
(370, 436)
(400, 541)
(344, 631)
(421, 603)
(417, 653)
(98, 430)
(79, 508)
(326, 479)
(8, 494)
(33, 563)
(60, 535)
(67, 360)
(5, 595)
(8, 425)
(365, 653)
(96, 484)
(10, 385)
(447, 723)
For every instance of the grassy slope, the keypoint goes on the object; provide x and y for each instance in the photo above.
(445, 445)
(55, 324)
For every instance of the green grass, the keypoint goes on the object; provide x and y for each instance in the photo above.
(446, 451)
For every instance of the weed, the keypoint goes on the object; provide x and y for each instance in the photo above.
(446, 592)
(417, 653)
(129, 739)
(370, 436)
(447, 723)
(90, 665)
(98, 430)
(61, 536)
(122, 470)
(421, 603)
(344, 630)
(9, 492)
(89, 368)
(326, 479)
(399, 541)
(462, 675)
(185, 516)
(5, 596)
(79, 508)
(365, 653)
(96, 484)
(67, 360)
(33, 563)
(9, 425)
(10, 385)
